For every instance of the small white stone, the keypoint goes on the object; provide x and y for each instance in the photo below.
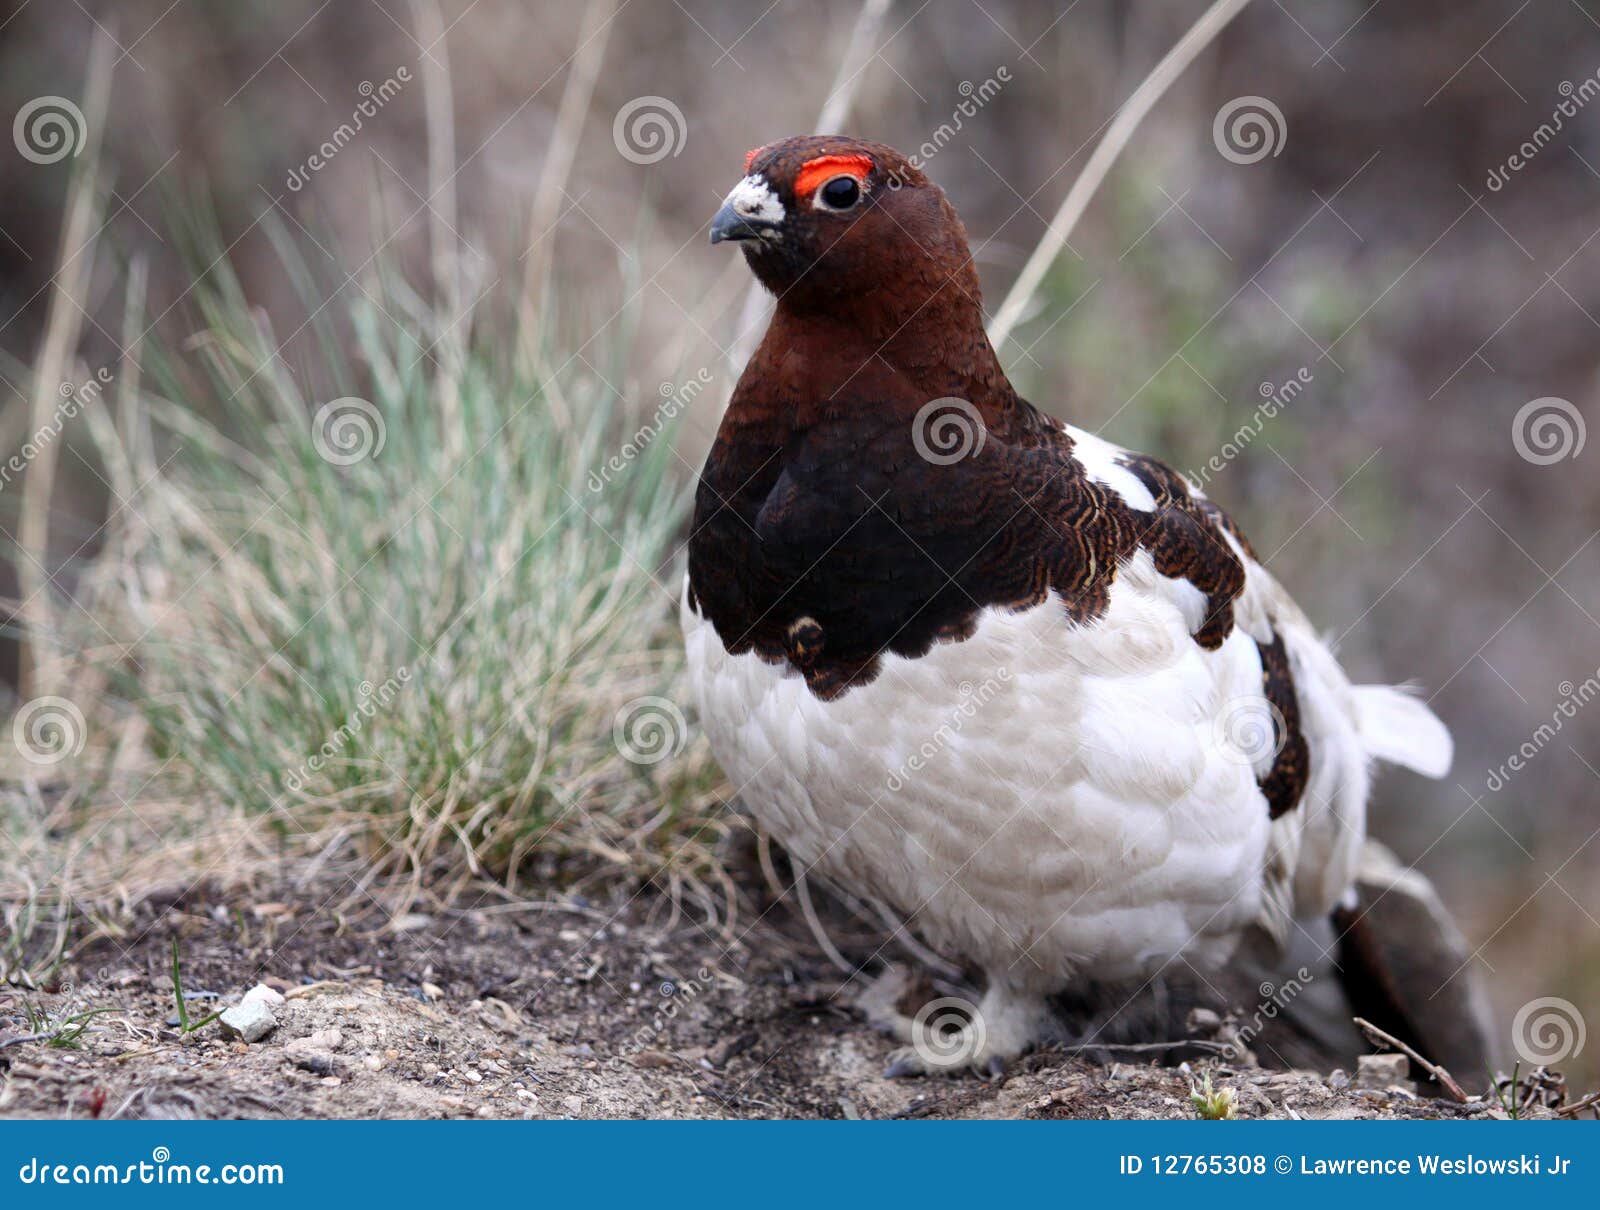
(323, 1041)
(1379, 1072)
(250, 1021)
(262, 994)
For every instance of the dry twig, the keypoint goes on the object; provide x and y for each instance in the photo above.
(1443, 1077)
(1592, 1101)
(1121, 129)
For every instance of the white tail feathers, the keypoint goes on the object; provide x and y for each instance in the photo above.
(1398, 727)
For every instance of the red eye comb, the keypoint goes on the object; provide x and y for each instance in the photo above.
(815, 172)
(750, 158)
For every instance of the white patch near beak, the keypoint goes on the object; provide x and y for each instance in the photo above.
(752, 198)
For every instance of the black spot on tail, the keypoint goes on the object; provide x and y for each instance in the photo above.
(1285, 784)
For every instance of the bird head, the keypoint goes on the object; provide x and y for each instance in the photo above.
(825, 220)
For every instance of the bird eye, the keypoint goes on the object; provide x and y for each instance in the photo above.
(840, 193)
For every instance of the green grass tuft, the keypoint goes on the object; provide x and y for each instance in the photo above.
(408, 624)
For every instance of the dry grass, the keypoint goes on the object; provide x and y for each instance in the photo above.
(447, 648)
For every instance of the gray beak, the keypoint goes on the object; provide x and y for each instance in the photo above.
(729, 224)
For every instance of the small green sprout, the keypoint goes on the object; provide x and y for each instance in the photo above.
(185, 1026)
(1212, 1104)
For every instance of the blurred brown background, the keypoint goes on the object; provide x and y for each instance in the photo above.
(1425, 307)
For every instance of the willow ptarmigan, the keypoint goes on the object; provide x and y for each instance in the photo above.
(1033, 691)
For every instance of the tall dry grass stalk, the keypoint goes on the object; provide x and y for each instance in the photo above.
(834, 114)
(1118, 134)
(557, 168)
(450, 315)
(63, 326)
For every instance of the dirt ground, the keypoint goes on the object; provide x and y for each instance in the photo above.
(507, 1011)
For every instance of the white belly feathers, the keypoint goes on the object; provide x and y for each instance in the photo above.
(1042, 798)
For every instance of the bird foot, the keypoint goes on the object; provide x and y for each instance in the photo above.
(891, 1000)
(909, 1062)
(949, 1035)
